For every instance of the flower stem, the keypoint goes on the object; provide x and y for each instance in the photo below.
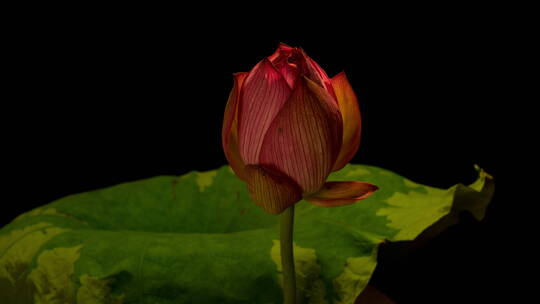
(287, 256)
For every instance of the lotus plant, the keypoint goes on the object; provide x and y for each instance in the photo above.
(287, 126)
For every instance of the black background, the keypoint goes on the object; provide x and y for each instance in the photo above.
(102, 100)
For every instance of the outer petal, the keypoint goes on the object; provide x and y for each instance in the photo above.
(271, 190)
(335, 194)
(350, 113)
(304, 139)
(229, 133)
(263, 94)
(319, 76)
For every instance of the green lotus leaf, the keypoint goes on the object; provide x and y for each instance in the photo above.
(198, 238)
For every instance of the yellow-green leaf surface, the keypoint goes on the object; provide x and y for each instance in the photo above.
(198, 238)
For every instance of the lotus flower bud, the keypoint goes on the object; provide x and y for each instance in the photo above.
(287, 126)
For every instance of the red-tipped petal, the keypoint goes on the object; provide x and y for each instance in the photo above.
(282, 47)
(288, 72)
(263, 95)
(229, 133)
(271, 189)
(334, 194)
(350, 113)
(304, 139)
(319, 76)
(280, 60)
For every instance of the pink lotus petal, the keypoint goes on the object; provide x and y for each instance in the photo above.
(289, 72)
(272, 190)
(229, 133)
(335, 194)
(281, 50)
(350, 113)
(305, 137)
(319, 76)
(263, 94)
(281, 61)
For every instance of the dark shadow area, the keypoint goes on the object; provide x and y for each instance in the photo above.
(463, 264)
